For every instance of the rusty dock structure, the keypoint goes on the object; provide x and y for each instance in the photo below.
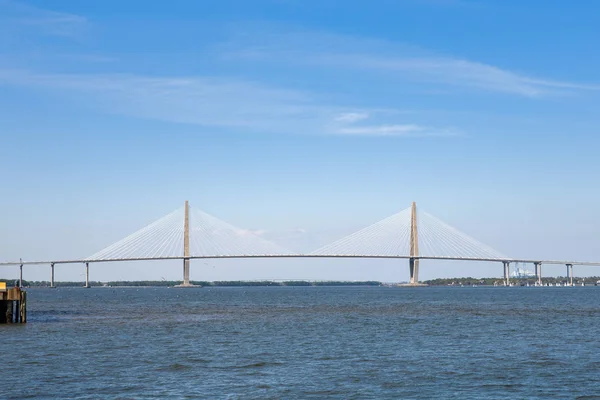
(13, 305)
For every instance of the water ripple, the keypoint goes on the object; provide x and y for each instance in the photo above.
(270, 343)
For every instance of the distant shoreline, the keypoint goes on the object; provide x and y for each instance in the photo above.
(469, 281)
(265, 283)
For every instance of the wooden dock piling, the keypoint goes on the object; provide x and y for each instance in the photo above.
(13, 306)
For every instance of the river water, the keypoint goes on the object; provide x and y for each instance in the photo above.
(305, 342)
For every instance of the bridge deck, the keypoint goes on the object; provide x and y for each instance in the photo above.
(509, 260)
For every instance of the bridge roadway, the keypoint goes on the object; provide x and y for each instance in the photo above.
(414, 280)
(505, 260)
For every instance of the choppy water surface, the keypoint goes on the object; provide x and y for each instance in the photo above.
(306, 342)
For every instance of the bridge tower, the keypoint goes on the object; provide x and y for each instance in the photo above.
(414, 246)
(186, 246)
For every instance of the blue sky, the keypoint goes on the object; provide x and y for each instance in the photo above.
(303, 119)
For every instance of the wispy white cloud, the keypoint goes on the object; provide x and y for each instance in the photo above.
(353, 124)
(397, 130)
(351, 117)
(193, 100)
(219, 102)
(251, 232)
(296, 239)
(285, 234)
(384, 130)
(397, 62)
(15, 15)
(453, 72)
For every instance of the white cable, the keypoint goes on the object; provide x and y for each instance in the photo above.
(209, 236)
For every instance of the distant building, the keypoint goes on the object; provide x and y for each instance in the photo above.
(519, 272)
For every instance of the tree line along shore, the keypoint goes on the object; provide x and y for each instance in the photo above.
(468, 281)
(165, 283)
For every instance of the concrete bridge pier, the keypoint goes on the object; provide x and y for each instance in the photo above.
(186, 272)
(186, 248)
(413, 262)
(414, 270)
(538, 272)
(87, 275)
(51, 275)
(570, 274)
(506, 273)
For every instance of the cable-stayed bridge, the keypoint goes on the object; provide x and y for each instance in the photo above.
(188, 233)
